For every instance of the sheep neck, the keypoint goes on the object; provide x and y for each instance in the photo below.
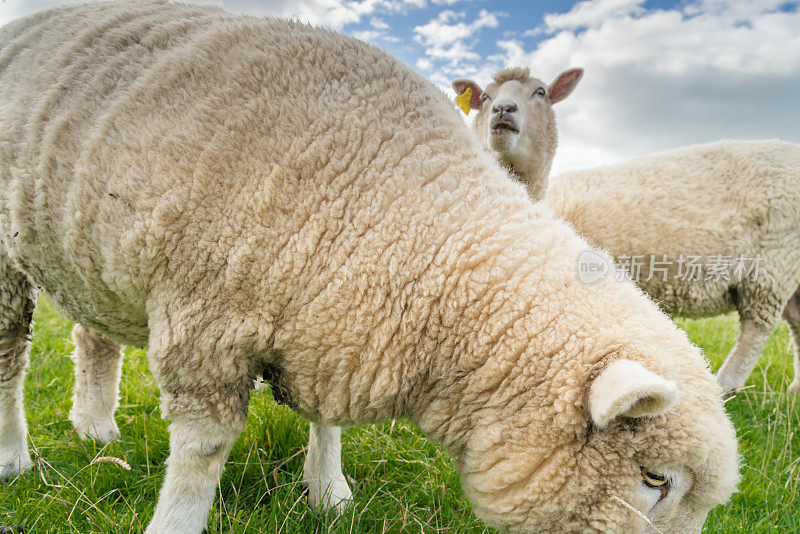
(532, 173)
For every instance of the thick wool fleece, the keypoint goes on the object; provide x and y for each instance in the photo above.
(250, 195)
(730, 199)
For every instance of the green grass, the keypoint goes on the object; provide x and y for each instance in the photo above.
(401, 482)
(767, 422)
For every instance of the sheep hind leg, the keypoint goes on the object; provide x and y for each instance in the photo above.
(322, 472)
(791, 314)
(17, 301)
(98, 365)
(743, 358)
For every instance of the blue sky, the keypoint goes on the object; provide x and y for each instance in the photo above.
(659, 73)
(514, 19)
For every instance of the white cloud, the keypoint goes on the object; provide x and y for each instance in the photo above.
(367, 35)
(378, 24)
(447, 37)
(424, 64)
(590, 13)
(533, 32)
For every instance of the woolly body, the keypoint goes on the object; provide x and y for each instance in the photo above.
(248, 195)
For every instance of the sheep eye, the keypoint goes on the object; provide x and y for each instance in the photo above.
(485, 97)
(653, 480)
(539, 92)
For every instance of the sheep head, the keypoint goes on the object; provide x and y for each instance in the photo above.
(645, 454)
(516, 121)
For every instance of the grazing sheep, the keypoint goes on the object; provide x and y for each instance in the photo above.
(722, 209)
(704, 230)
(516, 121)
(252, 197)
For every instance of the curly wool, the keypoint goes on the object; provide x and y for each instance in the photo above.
(240, 194)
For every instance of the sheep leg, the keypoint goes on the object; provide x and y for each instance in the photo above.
(743, 358)
(98, 365)
(791, 315)
(17, 301)
(198, 450)
(327, 486)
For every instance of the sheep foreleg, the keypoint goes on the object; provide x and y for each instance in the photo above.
(327, 486)
(198, 451)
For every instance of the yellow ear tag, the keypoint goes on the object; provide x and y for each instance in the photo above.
(463, 100)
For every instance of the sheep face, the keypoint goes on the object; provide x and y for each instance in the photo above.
(643, 448)
(514, 114)
(516, 121)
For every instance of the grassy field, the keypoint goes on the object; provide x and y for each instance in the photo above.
(401, 482)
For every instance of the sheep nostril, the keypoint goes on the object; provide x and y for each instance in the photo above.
(504, 109)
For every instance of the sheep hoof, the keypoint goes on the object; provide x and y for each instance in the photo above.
(13, 463)
(101, 429)
(794, 387)
(728, 383)
(331, 495)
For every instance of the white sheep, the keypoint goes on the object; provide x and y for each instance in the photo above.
(252, 196)
(704, 230)
(725, 212)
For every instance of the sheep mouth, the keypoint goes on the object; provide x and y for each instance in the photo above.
(504, 128)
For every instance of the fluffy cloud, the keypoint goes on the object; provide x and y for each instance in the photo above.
(367, 35)
(378, 24)
(424, 64)
(449, 38)
(591, 12)
(448, 2)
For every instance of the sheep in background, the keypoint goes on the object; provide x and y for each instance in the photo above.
(516, 121)
(254, 197)
(730, 207)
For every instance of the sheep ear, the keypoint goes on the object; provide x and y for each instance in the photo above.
(462, 85)
(564, 84)
(627, 389)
